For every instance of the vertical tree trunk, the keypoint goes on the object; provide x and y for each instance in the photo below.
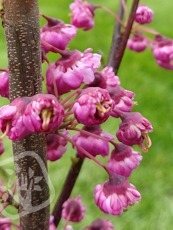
(21, 24)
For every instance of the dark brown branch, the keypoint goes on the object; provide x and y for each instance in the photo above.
(21, 24)
(67, 188)
(122, 45)
(116, 38)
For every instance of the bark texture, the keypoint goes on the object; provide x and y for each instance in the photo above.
(21, 24)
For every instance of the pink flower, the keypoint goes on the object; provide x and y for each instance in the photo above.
(5, 223)
(137, 43)
(51, 223)
(71, 71)
(106, 79)
(56, 33)
(93, 106)
(144, 14)
(123, 160)
(73, 210)
(91, 144)
(101, 224)
(162, 49)
(11, 119)
(1, 147)
(134, 130)
(82, 14)
(115, 195)
(43, 113)
(4, 84)
(56, 146)
(122, 101)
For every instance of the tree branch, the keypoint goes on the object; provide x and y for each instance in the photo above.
(119, 52)
(67, 187)
(21, 24)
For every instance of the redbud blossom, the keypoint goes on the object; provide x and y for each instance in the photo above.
(162, 49)
(56, 146)
(137, 43)
(92, 144)
(71, 71)
(115, 195)
(5, 224)
(122, 101)
(106, 79)
(144, 14)
(134, 130)
(73, 210)
(51, 223)
(43, 113)
(93, 106)
(57, 34)
(4, 84)
(101, 224)
(11, 119)
(123, 160)
(82, 14)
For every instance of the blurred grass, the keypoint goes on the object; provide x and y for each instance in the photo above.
(153, 87)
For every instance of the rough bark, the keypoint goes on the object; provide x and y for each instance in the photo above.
(21, 24)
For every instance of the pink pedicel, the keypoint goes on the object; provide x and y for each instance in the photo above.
(93, 106)
(73, 210)
(82, 14)
(115, 195)
(123, 160)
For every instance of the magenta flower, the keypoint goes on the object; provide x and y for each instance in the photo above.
(93, 106)
(137, 43)
(144, 14)
(106, 79)
(56, 33)
(43, 113)
(134, 130)
(68, 227)
(5, 223)
(51, 223)
(162, 49)
(73, 210)
(82, 14)
(56, 146)
(91, 144)
(122, 101)
(11, 119)
(71, 71)
(101, 224)
(1, 147)
(123, 160)
(4, 84)
(115, 195)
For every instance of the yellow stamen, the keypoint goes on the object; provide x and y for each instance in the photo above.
(46, 116)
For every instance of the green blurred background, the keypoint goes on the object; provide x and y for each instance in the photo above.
(153, 87)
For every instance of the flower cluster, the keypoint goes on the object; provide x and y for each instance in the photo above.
(81, 96)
